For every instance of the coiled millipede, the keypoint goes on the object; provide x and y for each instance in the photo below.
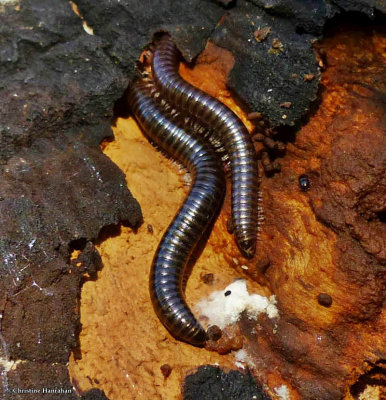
(193, 218)
(229, 130)
(196, 130)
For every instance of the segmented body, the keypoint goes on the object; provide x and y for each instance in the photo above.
(188, 122)
(194, 216)
(229, 130)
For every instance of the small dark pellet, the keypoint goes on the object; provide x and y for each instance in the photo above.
(166, 370)
(324, 299)
(214, 333)
(227, 293)
(208, 279)
(304, 183)
(150, 228)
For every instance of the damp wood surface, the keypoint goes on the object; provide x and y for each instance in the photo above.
(326, 241)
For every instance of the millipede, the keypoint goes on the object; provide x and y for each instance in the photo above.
(230, 132)
(189, 123)
(193, 218)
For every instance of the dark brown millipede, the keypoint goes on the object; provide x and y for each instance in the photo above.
(229, 130)
(193, 218)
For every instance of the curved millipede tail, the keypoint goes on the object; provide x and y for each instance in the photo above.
(229, 131)
(193, 218)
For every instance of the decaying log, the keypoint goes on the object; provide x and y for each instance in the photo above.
(62, 201)
(322, 249)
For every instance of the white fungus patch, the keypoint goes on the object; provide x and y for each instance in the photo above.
(282, 392)
(224, 307)
(242, 358)
(272, 310)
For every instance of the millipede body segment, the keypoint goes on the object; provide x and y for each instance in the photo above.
(193, 218)
(229, 130)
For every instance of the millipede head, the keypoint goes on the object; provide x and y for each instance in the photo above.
(248, 247)
(199, 339)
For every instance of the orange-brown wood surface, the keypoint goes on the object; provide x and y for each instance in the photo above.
(327, 240)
